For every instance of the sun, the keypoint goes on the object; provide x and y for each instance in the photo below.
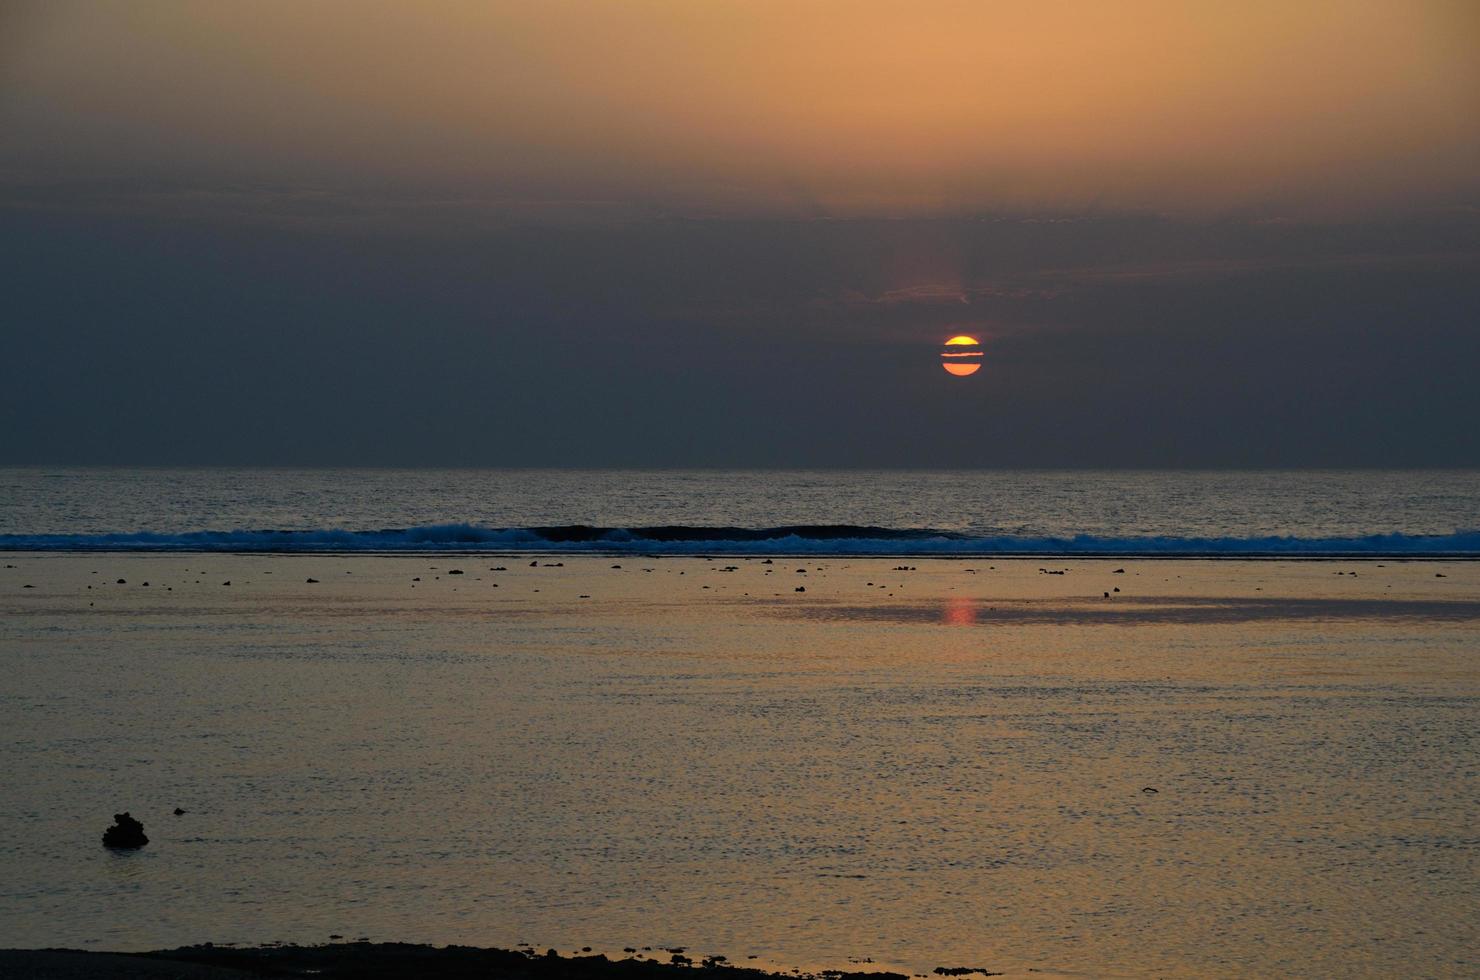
(961, 356)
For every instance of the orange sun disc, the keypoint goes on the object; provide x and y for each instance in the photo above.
(961, 356)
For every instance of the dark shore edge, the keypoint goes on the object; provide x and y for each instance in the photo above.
(393, 961)
(1276, 556)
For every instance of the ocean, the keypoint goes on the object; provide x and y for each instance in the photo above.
(961, 513)
(820, 749)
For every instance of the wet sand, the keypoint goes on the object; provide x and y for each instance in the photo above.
(813, 762)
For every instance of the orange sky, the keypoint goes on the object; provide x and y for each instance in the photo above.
(842, 107)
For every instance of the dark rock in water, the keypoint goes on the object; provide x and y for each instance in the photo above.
(535, 564)
(1149, 790)
(28, 586)
(619, 566)
(800, 588)
(179, 812)
(961, 971)
(454, 571)
(122, 582)
(1440, 575)
(1117, 588)
(312, 581)
(126, 833)
(1107, 595)
(417, 579)
(1118, 571)
(227, 582)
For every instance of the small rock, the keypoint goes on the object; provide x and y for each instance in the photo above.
(454, 571)
(800, 588)
(1149, 790)
(312, 581)
(125, 834)
(122, 582)
(179, 812)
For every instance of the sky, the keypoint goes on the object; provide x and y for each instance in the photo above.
(717, 233)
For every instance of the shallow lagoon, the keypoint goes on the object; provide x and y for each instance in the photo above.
(945, 766)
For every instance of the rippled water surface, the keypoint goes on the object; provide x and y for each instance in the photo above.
(941, 766)
(1329, 503)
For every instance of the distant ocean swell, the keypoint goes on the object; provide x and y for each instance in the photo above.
(827, 539)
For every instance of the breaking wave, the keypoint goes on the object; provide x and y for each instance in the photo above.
(820, 539)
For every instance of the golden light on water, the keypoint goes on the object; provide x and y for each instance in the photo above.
(961, 356)
(958, 611)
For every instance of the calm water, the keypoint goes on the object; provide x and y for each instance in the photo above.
(937, 767)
